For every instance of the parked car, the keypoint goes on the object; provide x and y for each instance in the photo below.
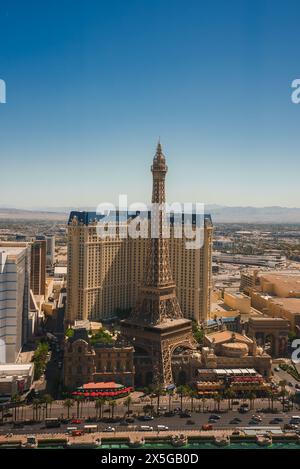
(190, 422)
(215, 417)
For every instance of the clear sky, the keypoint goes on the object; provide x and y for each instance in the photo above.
(92, 84)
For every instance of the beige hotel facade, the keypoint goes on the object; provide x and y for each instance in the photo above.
(104, 274)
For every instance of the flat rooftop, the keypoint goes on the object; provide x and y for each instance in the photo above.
(14, 367)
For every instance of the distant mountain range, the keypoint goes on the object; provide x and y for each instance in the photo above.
(219, 213)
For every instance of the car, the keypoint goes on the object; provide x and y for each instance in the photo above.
(207, 427)
(215, 417)
(161, 428)
(65, 421)
(7, 415)
(277, 368)
(290, 426)
(109, 429)
(18, 425)
(129, 420)
(210, 420)
(234, 421)
(169, 414)
(76, 421)
(145, 428)
(185, 415)
(297, 386)
(147, 418)
(257, 418)
(243, 410)
(190, 422)
(290, 384)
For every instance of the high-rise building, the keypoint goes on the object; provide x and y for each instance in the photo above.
(38, 267)
(14, 298)
(156, 326)
(50, 250)
(104, 275)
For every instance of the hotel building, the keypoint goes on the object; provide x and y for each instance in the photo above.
(14, 298)
(104, 275)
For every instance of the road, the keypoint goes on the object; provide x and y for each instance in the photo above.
(174, 423)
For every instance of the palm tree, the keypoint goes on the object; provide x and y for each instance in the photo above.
(47, 400)
(149, 392)
(182, 391)
(229, 394)
(158, 391)
(192, 394)
(252, 397)
(78, 401)
(217, 401)
(170, 395)
(127, 402)
(16, 399)
(35, 407)
(68, 403)
(99, 404)
(283, 393)
(112, 406)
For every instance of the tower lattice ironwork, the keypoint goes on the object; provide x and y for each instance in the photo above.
(156, 324)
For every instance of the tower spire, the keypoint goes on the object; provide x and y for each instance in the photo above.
(159, 156)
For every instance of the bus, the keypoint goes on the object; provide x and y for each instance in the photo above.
(52, 422)
(90, 428)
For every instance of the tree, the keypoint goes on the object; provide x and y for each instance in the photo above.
(170, 395)
(181, 391)
(16, 399)
(217, 401)
(47, 400)
(78, 401)
(67, 404)
(99, 404)
(192, 393)
(158, 391)
(283, 392)
(127, 402)
(229, 395)
(198, 333)
(35, 407)
(112, 405)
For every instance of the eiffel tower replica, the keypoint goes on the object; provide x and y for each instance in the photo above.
(156, 324)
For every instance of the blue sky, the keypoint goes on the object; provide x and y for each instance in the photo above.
(92, 84)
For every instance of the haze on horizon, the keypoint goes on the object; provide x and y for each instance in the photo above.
(91, 86)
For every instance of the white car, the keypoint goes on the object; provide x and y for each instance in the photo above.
(109, 429)
(146, 428)
(161, 428)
